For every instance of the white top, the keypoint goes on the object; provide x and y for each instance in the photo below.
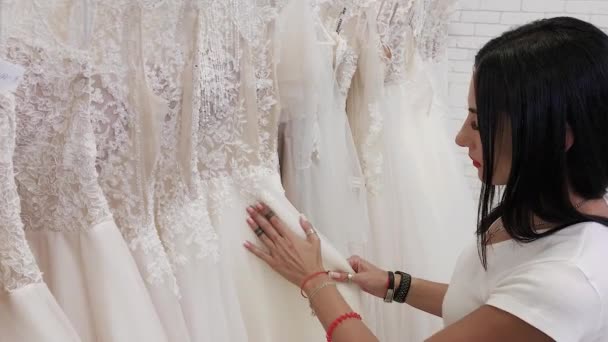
(558, 284)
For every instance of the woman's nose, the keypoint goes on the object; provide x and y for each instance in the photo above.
(461, 138)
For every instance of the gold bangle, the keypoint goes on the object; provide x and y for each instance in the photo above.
(315, 292)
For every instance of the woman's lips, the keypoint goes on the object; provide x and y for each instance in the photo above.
(475, 163)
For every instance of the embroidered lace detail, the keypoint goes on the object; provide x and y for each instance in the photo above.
(55, 146)
(121, 104)
(346, 64)
(372, 160)
(17, 264)
(234, 118)
(181, 210)
(430, 24)
(341, 19)
(393, 22)
(363, 98)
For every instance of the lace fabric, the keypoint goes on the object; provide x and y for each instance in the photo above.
(125, 121)
(430, 24)
(54, 157)
(18, 267)
(232, 114)
(363, 99)
(180, 208)
(341, 20)
(394, 19)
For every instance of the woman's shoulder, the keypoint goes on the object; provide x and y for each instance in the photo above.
(581, 242)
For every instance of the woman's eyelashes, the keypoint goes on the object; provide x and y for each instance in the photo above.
(474, 125)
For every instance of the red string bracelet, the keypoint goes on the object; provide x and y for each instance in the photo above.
(309, 278)
(332, 327)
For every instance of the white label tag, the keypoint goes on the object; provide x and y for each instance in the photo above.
(10, 76)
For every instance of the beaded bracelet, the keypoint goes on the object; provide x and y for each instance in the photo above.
(332, 327)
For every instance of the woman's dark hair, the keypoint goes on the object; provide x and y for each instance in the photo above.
(535, 82)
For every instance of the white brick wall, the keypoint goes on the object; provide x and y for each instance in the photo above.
(477, 21)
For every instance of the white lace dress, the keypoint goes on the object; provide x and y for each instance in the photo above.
(126, 118)
(423, 212)
(84, 259)
(28, 311)
(320, 168)
(227, 154)
(208, 297)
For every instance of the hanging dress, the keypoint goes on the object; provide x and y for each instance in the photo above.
(207, 290)
(84, 259)
(424, 212)
(28, 310)
(126, 117)
(228, 144)
(320, 168)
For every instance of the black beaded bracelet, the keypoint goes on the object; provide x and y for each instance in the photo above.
(404, 287)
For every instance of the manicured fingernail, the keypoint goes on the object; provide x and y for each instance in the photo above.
(260, 206)
(334, 275)
(250, 220)
(247, 244)
(250, 210)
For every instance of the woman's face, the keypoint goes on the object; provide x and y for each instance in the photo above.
(469, 137)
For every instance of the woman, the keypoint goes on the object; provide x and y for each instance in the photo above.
(538, 126)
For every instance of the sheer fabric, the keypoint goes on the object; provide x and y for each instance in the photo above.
(320, 167)
(414, 228)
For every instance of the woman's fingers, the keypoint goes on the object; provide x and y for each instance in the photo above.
(276, 222)
(344, 277)
(260, 233)
(309, 230)
(262, 222)
(355, 262)
(258, 252)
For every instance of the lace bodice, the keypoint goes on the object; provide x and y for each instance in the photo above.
(55, 151)
(180, 207)
(125, 117)
(17, 264)
(234, 118)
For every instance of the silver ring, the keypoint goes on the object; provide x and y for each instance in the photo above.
(350, 277)
(259, 231)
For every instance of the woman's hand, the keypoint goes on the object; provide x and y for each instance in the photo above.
(291, 256)
(369, 277)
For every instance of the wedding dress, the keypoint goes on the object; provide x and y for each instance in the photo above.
(227, 155)
(126, 118)
(319, 163)
(28, 311)
(84, 259)
(208, 295)
(423, 213)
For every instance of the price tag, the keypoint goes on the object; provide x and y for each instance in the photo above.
(10, 76)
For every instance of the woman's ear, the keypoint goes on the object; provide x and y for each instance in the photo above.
(569, 138)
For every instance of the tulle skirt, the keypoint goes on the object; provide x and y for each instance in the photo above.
(96, 282)
(30, 313)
